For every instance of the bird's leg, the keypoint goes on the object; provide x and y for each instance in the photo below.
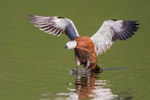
(77, 62)
(86, 68)
(87, 65)
(76, 70)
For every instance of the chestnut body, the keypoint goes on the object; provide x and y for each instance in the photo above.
(84, 52)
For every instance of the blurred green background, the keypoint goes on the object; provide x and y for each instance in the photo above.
(32, 63)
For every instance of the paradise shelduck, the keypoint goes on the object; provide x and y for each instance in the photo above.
(86, 48)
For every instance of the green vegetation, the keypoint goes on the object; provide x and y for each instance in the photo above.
(33, 63)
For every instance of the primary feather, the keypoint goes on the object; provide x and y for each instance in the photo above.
(55, 25)
(110, 31)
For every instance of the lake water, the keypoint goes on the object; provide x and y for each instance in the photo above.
(86, 87)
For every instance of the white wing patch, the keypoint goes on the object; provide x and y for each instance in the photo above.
(55, 25)
(110, 31)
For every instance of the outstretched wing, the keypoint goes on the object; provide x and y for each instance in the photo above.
(110, 31)
(55, 25)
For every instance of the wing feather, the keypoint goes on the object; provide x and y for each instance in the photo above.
(110, 31)
(55, 25)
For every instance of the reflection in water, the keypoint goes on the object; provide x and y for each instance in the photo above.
(87, 87)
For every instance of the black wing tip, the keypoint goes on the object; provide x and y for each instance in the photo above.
(31, 17)
(133, 25)
(134, 22)
(60, 17)
(113, 19)
(129, 28)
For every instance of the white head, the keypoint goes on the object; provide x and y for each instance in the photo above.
(71, 45)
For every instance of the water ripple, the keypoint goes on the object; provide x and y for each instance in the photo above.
(88, 87)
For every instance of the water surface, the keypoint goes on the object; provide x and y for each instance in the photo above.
(85, 87)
